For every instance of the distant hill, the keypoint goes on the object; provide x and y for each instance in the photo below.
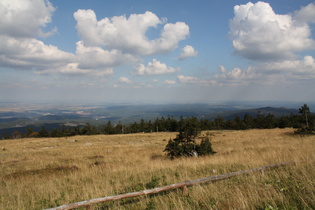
(126, 114)
(23, 129)
(60, 117)
(277, 112)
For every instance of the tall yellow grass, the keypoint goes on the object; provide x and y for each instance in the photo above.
(43, 173)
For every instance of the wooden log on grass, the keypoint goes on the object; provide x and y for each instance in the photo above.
(119, 197)
(184, 185)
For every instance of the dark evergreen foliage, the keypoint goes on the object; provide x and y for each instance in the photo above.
(186, 146)
(182, 145)
(185, 142)
(308, 126)
(43, 132)
(205, 147)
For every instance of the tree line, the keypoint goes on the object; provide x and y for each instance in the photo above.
(303, 122)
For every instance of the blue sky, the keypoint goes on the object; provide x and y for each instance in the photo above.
(157, 51)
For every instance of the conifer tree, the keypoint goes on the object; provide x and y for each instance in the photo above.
(305, 111)
(185, 142)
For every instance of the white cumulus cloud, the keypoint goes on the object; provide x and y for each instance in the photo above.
(24, 18)
(259, 33)
(195, 80)
(129, 34)
(106, 43)
(188, 51)
(28, 53)
(98, 58)
(169, 82)
(304, 68)
(269, 73)
(237, 76)
(187, 79)
(154, 68)
(124, 80)
(20, 23)
(74, 69)
(306, 14)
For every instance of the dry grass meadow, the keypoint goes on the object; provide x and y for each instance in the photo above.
(48, 172)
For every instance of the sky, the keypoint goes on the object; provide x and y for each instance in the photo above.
(157, 51)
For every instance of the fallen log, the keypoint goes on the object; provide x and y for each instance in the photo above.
(119, 197)
(184, 185)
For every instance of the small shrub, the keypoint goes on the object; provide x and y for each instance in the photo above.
(185, 145)
(205, 147)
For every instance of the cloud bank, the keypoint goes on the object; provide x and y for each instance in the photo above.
(276, 46)
(29, 53)
(98, 58)
(105, 45)
(129, 34)
(20, 23)
(271, 42)
(259, 33)
(24, 18)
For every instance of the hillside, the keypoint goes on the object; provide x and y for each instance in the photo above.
(42, 173)
(276, 111)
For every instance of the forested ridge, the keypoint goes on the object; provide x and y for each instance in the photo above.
(303, 122)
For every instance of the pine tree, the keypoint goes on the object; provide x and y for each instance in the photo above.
(205, 147)
(43, 132)
(185, 142)
(305, 111)
(306, 114)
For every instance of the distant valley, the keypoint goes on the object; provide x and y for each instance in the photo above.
(21, 117)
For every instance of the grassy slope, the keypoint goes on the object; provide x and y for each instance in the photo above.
(42, 173)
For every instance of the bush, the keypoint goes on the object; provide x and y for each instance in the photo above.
(185, 145)
(205, 147)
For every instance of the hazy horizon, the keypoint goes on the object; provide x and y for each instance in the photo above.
(241, 104)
